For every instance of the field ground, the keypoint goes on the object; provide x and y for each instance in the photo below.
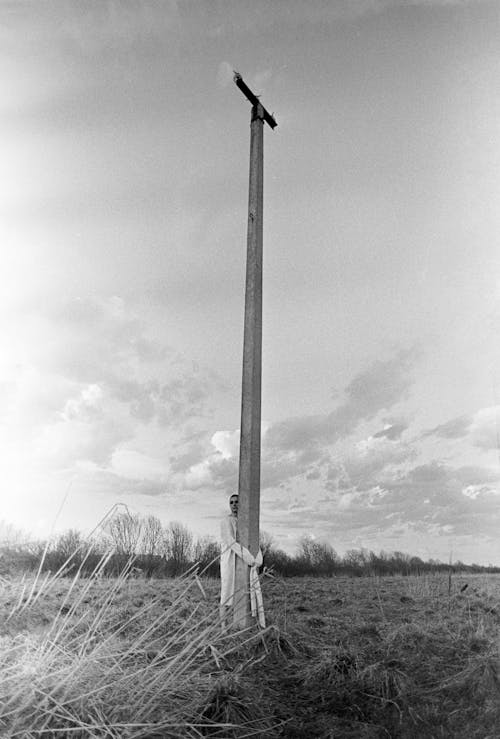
(409, 657)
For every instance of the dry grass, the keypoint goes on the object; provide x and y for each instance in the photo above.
(366, 657)
(116, 658)
(393, 657)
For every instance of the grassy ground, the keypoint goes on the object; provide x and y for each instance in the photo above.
(365, 657)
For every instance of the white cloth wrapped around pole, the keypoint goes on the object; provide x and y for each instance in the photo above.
(256, 602)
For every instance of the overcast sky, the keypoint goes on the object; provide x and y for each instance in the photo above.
(124, 146)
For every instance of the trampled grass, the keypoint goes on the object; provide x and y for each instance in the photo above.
(365, 657)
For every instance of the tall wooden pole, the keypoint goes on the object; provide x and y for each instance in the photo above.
(249, 470)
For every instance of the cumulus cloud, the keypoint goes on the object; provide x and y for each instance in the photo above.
(302, 447)
(275, 472)
(100, 341)
(482, 429)
(381, 386)
(89, 428)
(208, 461)
(193, 452)
(375, 389)
(213, 473)
(427, 500)
(295, 445)
(87, 405)
(93, 382)
(435, 493)
(364, 463)
(295, 434)
(227, 443)
(485, 428)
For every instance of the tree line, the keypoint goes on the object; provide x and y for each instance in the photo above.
(152, 549)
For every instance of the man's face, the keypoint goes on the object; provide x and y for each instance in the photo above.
(233, 504)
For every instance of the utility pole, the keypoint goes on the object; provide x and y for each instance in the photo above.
(249, 470)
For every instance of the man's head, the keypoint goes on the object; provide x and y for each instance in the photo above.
(233, 504)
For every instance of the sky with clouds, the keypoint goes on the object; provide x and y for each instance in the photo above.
(123, 202)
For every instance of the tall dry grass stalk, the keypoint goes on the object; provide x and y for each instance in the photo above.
(97, 668)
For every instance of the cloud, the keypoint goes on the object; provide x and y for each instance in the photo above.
(262, 19)
(485, 428)
(134, 465)
(208, 461)
(227, 443)
(456, 428)
(391, 432)
(89, 428)
(225, 73)
(193, 452)
(260, 79)
(31, 397)
(382, 385)
(363, 466)
(302, 446)
(475, 475)
(482, 429)
(215, 465)
(198, 476)
(94, 339)
(275, 472)
(86, 406)
(224, 473)
(438, 494)
(295, 444)
(116, 486)
(213, 473)
(101, 342)
(92, 382)
(428, 500)
(297, 433)
(89, 27)
(377, 388)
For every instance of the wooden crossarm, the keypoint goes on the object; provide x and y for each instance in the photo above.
(261, 111)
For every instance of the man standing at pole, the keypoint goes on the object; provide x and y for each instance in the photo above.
(230, 550)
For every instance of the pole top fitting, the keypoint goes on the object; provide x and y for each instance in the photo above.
(260, 111)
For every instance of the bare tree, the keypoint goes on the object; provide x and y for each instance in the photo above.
(356, 560)
(178, 546)
(11, 537)
(68, 550)
(206, 555)
(68, 543)
(151, 543)
(266, 542)
(306, 549)
(125, 530)
(318, 557)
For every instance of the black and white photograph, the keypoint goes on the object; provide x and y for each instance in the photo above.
(250, 369)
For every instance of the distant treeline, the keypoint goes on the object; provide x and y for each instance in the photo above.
(151, 549)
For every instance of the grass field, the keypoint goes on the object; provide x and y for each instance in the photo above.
(341, 657)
